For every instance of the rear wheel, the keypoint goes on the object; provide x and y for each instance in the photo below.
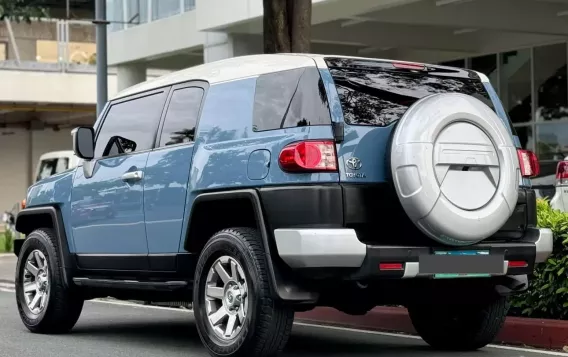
(459, 327)
(45, 304)
(235, 312)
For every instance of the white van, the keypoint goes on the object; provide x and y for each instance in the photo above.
(49, 164)
(55, 162)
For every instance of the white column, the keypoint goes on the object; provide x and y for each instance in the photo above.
(130, 74)
(220, 45)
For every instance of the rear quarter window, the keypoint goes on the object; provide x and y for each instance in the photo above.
(290, 99)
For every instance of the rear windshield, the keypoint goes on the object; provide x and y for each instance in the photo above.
(379, 96)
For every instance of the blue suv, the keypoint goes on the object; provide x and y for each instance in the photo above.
(258, 186)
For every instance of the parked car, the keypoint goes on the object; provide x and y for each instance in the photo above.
(258, 186)
(48, 164)
(560, 199)
(55, 162)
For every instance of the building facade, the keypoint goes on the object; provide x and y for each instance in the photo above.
(520, 44)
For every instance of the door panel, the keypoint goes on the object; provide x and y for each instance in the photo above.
(165, 189)
(168, 166)
(107, 215)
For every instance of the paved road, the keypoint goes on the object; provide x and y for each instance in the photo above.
(107, 329)
(7, 267)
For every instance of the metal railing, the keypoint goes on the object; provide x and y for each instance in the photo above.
(49, 45)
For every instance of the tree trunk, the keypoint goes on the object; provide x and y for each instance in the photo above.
(300, 23)
(276, 29)
(287, 25)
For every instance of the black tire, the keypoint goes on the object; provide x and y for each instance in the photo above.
(464, 327)
(64, 305)
(268, 322)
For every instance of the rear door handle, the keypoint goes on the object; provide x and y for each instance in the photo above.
(133, 176)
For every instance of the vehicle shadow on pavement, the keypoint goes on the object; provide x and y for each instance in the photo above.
(304, 341)
(341, 343)
(165, 333)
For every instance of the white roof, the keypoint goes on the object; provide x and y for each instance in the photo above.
(57, 154)
(225, 70)
(236, 68)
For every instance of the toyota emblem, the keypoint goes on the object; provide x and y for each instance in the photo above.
(353, 163)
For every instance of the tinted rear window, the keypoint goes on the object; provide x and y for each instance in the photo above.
(379, 96)
(290, 99)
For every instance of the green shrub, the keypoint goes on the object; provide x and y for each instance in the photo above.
(8, 241)
(547, 295)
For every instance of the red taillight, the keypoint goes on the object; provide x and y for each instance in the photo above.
(309, 156)
(391, 266)
(528, 163)
(518, 264)
(405, 65)
(562, 173)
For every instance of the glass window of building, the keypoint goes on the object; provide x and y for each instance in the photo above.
(136, 12)
(550, 82)
(188, 5)
(47, 51)
(457, 63)
(165, 8)
(115, 14)
(486, 65)
(515, 85)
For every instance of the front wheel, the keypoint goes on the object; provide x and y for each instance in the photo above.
(459, 327)
(234, 310)
(45, 304)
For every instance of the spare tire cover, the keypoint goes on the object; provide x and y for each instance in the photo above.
(455, 168)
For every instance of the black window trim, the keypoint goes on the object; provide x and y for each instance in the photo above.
(190, 84)
(166, 90)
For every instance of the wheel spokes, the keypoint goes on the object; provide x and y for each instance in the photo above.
(38, 260)
(218, 316)
(34, 303)
(222, 273)
(234, 270)
(215, 292)
(30, 287)
(230, 326)
(226, 300)
(31, 268)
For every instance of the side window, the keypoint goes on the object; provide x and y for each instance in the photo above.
(130, 126)
(181, 117)
(62, 165)
(290, 99)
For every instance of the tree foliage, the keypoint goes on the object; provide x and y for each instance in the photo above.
(287, 25)
(22, 10)
(547, 296)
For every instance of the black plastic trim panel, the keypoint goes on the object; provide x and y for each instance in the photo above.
(311, 206)
(284, 289)
(27, 221)
(377, 255)
(123, 262)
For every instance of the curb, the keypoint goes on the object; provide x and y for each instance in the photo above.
(541, 333)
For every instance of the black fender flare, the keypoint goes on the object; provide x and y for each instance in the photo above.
(284, 289)
(27, 221)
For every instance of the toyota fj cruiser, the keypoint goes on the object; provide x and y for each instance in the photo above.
(258, 186)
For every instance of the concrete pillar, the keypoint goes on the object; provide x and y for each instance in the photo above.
(130, 74)
(220, 45)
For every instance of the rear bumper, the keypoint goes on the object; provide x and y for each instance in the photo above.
(341, 248)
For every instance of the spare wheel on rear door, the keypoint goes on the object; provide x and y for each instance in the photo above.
(455, 168)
